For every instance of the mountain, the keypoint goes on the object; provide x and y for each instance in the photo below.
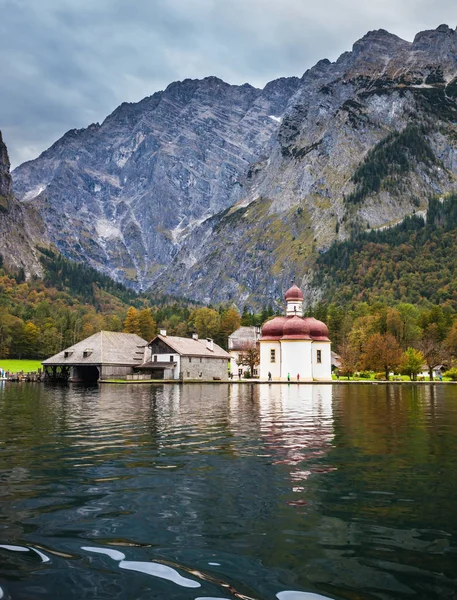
(219, 192)
(21, 228)
(415, 261)
(122, 195)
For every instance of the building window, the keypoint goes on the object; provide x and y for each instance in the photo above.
(171, 358)
(200, 360)
(272, 356)
(190, 360)
(319, 356)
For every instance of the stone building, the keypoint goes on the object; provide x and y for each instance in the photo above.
(295, 347)
(104, 355)
(172, 357)
(241, 340)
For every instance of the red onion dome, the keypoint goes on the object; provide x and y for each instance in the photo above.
(272, 329)
(296, 328)
(294, 293)
(318, 330)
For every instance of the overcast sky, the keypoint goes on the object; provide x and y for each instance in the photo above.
(68, 63)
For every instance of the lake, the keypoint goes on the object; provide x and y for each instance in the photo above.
(264, 492)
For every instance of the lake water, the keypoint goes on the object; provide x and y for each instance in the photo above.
(264, 492)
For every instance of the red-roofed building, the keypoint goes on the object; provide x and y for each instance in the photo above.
(295, 347)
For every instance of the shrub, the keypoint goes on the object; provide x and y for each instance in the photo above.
(366, 374)
(452, 374)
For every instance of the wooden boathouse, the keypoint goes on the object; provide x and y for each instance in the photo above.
(104, 355)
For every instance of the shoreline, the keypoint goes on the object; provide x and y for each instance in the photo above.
(266, 382)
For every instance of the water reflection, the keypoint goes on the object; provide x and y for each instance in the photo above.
(249, 491)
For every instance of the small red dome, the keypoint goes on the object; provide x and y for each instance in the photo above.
(294, 293)
(317, 329)
(273, 328)
(296, 328)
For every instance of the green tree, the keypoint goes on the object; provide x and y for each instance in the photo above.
(206, 322)
(411, 363)
(247, 317)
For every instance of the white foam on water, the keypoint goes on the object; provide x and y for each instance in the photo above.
(114, 554)
(293, 595)
(215, 564)
(158, 570)
(15, 548)
(43, 557)
(1, 593)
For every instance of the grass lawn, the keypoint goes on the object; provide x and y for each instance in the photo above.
(16, 366)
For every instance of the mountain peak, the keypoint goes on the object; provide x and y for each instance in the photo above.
(379, 38)
(430, 35)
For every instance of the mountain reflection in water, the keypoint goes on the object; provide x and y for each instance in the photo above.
(228, 491)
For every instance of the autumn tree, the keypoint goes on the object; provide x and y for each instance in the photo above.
(349, 357)
(249, 356)
(432, 348)
(381, 352)
(450, 342)
(147, 325)
(230, 321)
(132, 322)
(411, 363)
(362, 328)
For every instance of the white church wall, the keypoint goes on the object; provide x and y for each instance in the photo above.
(322, 371)
(296, 359)
(266, 365)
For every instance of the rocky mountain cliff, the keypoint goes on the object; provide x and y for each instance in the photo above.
(124, 194)
(21, 228)
(222, 192)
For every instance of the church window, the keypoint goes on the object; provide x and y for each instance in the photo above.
(172, 358)
(272, 356)
(319, 356)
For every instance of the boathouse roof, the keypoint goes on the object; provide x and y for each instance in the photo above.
(104, 347)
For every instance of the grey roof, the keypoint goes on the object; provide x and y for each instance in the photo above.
(243, 337)
(192, 347)
(104, 347)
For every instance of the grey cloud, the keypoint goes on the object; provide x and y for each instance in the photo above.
(72, 62)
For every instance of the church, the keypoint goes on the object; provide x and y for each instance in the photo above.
(295, 347)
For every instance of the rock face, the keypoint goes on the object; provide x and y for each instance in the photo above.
(124, 194)
(21, 228)
(221, 192)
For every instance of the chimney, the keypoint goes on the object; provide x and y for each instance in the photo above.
(163, 332)
(195, 336)
(210, 344)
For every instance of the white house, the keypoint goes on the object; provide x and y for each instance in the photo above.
(172, 357)
(295, 347)
(241, 340)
